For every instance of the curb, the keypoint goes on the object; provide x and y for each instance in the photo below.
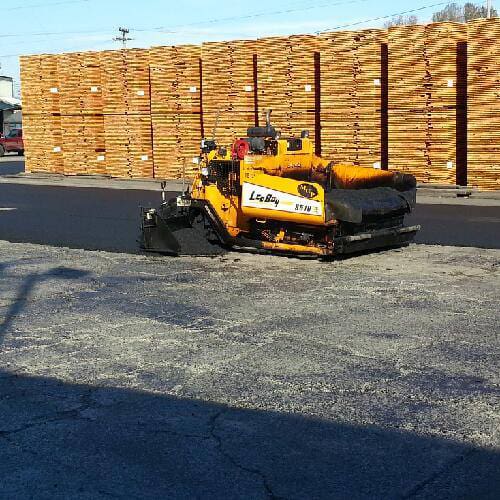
(102, 182)
(91, 182)
(443, 191)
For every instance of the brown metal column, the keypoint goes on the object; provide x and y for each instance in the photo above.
(151, 122)
(317, 106)
(384, 107)
(461, 116)
(255, 90)
(202, 123)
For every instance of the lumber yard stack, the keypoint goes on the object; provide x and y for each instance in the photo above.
(81, 107)
(175, 109)
(425, 109)
(446, 85)
(88, 113)
(41, 118)
(286, 81)
(351, 82)
(421, 99)
(228, 89)
(127, 113)
(408, 101)
(484, 104)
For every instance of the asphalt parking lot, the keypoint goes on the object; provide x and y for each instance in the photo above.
(47, 210)
(11, 164)
(249, 376)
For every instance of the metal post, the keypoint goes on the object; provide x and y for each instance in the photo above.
(123, 38)
(184, 176)
(488, 8)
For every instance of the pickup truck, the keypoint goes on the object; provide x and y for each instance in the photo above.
(12, 142)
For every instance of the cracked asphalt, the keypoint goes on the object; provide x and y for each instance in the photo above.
(249, 376)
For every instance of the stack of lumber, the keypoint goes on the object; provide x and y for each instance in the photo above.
(409, 101)
(81, 84)
(42, 143)
(484, 104)
(31, 93)
(41, 106)
(31, 89)
(127, 113)
(286, 82)
(175, 109)
(302, 85)
(444, 87)
(274, 74)
(425, 111)
(141, 113)
(82, 123)
(351, 96)
(339, 128)
(228, 89)
(368, 84)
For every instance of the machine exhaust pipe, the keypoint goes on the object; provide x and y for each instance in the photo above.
(268, 118)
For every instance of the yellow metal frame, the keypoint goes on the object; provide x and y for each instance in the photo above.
(285, 172)
(270, 172)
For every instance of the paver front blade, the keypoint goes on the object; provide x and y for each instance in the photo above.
(170, 231)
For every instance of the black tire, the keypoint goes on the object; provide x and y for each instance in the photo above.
(20, 153)
(2, 151)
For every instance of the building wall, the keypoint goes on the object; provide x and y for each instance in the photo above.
(6, 86)
(12, 119)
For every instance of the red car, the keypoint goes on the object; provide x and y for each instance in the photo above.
(12, 142)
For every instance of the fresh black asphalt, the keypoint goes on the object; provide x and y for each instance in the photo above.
(108, 219)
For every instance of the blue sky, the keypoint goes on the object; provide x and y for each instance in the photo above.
(53, 26)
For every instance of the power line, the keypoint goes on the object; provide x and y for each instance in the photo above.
(53, 33)
(167, 29)
(373, 19)
(164, 29)
(35, 6)
(382, 18)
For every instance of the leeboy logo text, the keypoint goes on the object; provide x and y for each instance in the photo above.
(264, 198)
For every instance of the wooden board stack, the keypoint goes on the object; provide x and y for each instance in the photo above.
(127, 113)
(351, 96)
(444, 88)
(141, 113)
(31, 93)
(81, 106)
(286, 82)
(484, 104)
(408, 101)
(424, 105)
(228, 89)
(274, 73)
(339, 128)
(41, 110)
(368, 83)
(303, 83)
(175, 109)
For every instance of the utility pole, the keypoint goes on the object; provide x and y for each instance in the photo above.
(123, 37)
(488, 8)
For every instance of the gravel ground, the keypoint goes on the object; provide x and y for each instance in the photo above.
(249, 376)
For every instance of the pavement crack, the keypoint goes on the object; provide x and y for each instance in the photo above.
(108, 494)
(86, 403)
(421, 485)
(220, 445)
(184, 435)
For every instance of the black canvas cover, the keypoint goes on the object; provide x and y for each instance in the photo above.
(362, 205)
